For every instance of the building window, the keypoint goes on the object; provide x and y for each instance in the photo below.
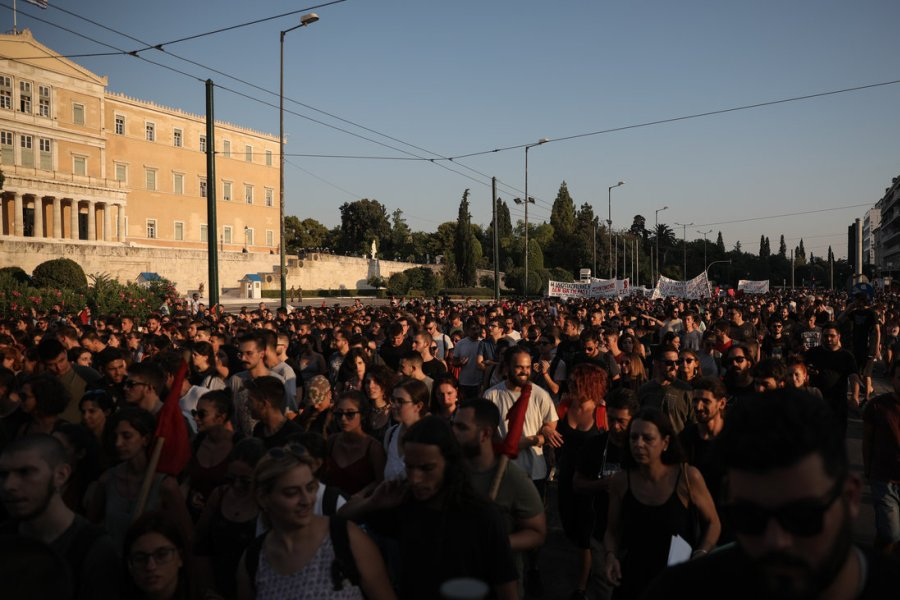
(79, 165)
(46, 150)
(121, 172)
(248, 236)
(151, 132)
(270, 197)
(78, 114)
(226, 148)
(248, 153)
(7, 149)
(25, 97)
(179, 231)
(203, 188)
(226, 191)
(268, 158)
(226, 234)
(270, 238)
(202, 143)
(204, 233)
(44, 96)
(178, 183)
(120, 125)
(151, 229)
(5, 92)
(27, 144)
(177, 137)
(248, 194)
(151, 179)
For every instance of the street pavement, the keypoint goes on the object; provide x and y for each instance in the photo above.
(559, 563)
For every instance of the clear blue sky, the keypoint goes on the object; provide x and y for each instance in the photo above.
(466, 76)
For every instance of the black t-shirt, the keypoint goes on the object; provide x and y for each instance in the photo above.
(470, 541)
(434, 368)
(600, 459)
(864, 321)
(702, 454)
(829, 371)
(728, 574)
(280, 437)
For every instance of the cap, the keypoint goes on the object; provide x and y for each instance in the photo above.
(316, 389)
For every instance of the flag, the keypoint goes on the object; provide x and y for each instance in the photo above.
(41, 3)
(170, 425)
(516, 418)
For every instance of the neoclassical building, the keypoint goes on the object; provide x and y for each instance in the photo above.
(84, 163)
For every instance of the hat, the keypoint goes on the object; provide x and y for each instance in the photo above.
(316, 389)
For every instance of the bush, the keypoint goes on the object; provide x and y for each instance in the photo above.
(486, 281)
(473, 292)
(418, 278)
(60, 274)
(17, 274)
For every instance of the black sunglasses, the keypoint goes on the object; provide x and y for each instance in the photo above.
(348, 414)
(804, 517)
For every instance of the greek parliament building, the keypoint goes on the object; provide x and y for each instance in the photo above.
(83, 163)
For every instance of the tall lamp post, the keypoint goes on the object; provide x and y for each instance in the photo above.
(609, 224)
(684, 246)
(704, 234)
(305, 20)
(528, 200)
(706, 269)
(656, 235)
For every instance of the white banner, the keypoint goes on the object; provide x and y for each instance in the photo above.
(698, 287)
(561, 289)
(753, 287)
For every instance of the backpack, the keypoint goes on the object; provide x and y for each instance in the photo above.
(343, 568)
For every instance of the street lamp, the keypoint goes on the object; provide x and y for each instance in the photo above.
(706, 270)
(609, 224)
(684, 246)
(305, 20)
(656, 234)
(704, 234)
(528, 200)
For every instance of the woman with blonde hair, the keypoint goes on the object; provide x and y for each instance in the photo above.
(303, 555)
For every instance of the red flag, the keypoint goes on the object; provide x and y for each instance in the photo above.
(516, 418)
(170, 425)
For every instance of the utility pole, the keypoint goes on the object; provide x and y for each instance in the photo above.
(496, 240)
(211, 227)
(684, 246)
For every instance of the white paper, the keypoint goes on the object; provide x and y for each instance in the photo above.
(679, 551)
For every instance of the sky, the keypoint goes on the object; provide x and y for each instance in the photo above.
(430, 80)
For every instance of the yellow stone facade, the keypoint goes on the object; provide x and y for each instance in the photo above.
(83, 163)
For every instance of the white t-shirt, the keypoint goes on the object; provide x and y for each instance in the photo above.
(540, 411)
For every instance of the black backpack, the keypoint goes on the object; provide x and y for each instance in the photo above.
(343, 568)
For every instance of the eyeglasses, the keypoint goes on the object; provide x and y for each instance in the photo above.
(160, 556)
(401, 401)
(737, 359)
(670, 363)
(686, 361)
(345, 414)
(590, 348)
(295, 450)
(804, 517)
(130, 383)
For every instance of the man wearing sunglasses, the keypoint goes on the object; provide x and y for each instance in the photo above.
(791, 503)
(666, 392)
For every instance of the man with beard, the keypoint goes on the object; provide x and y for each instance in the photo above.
(831, 368)
(738, 379)
(697, 439)
(665, 391)
(791, 504)
(33, 471)
(475, 425)
(251, 352)
(445, 530)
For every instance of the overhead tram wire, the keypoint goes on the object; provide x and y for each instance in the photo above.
(794, 214)
(160, 47)
(249, 97)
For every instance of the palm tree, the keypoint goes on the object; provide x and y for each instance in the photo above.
(665, 237)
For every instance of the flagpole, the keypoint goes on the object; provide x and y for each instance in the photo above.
(15, 25)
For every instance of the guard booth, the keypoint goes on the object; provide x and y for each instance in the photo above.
(251, 286)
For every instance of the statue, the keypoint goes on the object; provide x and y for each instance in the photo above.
(374, 249)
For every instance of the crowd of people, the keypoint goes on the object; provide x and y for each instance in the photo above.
(395, 451)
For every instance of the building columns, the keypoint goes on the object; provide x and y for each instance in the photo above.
(121, 222)
(73, 232)
(18, 215)
(107, 207)
(57, 217)
(38, 216)
(92, 221)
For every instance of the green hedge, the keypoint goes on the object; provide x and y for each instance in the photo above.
(473, 292)
(339, 293)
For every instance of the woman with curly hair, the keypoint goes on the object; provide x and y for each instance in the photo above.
(378, 385)
(352, 371)
(582, 416)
